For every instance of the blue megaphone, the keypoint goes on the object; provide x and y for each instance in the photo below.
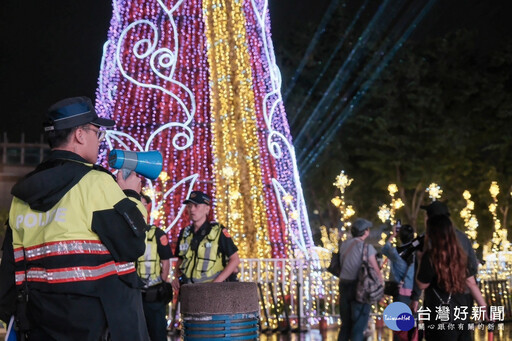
(147, 164)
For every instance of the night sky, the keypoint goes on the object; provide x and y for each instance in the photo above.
(52, 49)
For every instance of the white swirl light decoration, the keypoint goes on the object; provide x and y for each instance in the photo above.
(271, 102)
(192, 180)
(294, 233)
(109, 91)
(162, 58)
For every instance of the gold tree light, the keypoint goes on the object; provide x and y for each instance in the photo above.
(384, 213)
(470, 220)
(499, 237)
(396, 203)
(329, 240)
(434, 191)
(387, 213)
(158, 211)
(346, 211)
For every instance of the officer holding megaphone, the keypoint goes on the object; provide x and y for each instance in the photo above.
(148, 164)
(69, 213)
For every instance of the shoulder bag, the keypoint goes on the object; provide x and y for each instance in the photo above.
(369, 287)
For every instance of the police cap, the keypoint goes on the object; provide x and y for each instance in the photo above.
(198, 197)
(73, 112)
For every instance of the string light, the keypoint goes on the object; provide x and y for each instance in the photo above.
(346, 211)
(470, 220)
(434, 191)
(198, 82)
(387, 213)
(499, 237)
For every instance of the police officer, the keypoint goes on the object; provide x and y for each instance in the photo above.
(204, 246)
(153, 268)
(75, 236)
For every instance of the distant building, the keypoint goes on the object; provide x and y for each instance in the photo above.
(16, 160)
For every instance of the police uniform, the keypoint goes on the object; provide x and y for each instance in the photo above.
(204, 253)
(75, 238)
(149, 270)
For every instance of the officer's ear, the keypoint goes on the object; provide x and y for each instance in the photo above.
(79, 135)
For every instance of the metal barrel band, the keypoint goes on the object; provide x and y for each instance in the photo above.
(232, 327)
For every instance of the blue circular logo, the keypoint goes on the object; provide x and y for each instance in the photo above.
(398, 316)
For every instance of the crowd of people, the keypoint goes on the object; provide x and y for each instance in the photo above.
(442, 264)
(80, 261)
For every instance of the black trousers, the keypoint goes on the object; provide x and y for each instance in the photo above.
(155, 320)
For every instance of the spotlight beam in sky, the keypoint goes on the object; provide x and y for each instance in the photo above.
(311, 47)
(328, 63)
(345, 71)
(393, 35)
(350, 109)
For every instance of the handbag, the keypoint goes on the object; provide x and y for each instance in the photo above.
(369, 287)
(392, 288)
(335, 265)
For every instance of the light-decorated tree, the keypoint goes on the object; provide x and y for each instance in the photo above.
(332, 236)
(198, 81)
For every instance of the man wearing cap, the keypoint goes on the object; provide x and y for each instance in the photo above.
(204, 247)
(354, 315)
(75, 236)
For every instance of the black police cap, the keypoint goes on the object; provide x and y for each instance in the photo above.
(73, 112)
(198, 197)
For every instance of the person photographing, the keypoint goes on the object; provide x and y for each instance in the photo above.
(401, 270)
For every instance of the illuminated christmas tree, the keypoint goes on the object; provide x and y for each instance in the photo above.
(198, 81)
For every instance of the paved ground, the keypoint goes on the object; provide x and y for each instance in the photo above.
(382, 334)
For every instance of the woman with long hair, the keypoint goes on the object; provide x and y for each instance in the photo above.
(445, 276)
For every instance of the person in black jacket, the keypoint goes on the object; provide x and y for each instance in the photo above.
(76, 233)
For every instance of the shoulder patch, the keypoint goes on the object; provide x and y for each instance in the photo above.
(164, 240)
(226, 233)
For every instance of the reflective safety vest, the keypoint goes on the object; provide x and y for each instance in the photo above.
(59, 246)
(205, 264)
(148, 265)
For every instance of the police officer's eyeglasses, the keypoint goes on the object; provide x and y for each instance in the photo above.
(100, 134)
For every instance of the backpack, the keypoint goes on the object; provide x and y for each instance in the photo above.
(369, 287)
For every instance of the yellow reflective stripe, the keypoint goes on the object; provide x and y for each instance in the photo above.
(74, 274)
(203, 279)
(149, 263)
